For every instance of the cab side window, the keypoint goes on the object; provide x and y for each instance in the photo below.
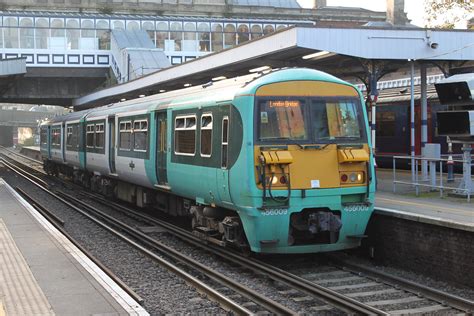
(206, 135)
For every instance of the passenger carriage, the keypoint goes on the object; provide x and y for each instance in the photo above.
(279, 163)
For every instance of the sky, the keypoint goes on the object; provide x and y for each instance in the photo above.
(414, 8)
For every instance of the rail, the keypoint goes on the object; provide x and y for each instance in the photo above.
(437, 178)
(343, 302)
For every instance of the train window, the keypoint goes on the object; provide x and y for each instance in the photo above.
(185, 135)
(99, 135)
(44, 136)
(386, 124)
(125, 135)
(225, 141)
(335, 120)
(179, 122)
(56, 136)
(342, 120)
(282, 119)
(75, 136)
(90, 135)
(72, 136)
(206, 135)
(140, 132)
(69, 136)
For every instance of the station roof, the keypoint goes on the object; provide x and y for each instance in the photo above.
(343, 52)
(169, 17)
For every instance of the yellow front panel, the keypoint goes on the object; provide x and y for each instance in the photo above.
(307, 88)
(314, 168)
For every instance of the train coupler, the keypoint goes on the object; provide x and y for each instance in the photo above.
(314, 226)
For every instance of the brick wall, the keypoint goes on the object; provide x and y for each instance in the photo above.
(439, 252)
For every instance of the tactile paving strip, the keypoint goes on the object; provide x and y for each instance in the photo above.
(20, 293)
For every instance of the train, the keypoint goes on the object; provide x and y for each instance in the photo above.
(276, 162)
(393, 126)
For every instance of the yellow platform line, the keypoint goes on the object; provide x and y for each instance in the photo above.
(424, 205)
(2, 310)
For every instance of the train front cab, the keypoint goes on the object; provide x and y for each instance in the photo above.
(311, 169)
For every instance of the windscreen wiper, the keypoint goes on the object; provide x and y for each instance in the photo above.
(291, 141)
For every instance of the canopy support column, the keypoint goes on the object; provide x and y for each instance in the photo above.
(412, 120)
(424, 119)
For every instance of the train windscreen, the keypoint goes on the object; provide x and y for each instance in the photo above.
(316, 120)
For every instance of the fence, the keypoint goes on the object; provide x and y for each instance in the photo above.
(436, 179)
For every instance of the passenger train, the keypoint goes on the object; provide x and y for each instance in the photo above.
(273, 163)
(393, 127)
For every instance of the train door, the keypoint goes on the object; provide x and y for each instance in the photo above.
(161, 147)
(82, 143)
(63, 141)
(222, 175)
(47, 140)
(111, 131)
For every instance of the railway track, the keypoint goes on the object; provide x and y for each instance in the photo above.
(348, 288)
(32, 163)
(382, 291)
(392, 294)
(266, 305)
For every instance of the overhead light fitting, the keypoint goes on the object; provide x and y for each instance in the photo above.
(260, 69)
(219, 78)
(318, 55)
(161, 91)
(187, 85)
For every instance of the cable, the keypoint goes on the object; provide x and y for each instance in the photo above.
(280, 199)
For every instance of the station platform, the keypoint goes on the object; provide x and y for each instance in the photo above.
(428, 207)
(43, 273)
(31, 151)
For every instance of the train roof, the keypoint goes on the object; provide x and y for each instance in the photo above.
(73, 116)
(213, 92)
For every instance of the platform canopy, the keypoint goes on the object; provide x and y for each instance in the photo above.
(343, 52)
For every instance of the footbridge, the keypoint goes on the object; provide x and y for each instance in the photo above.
(20, 118)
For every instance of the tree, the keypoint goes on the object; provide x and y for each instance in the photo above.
(448, 14)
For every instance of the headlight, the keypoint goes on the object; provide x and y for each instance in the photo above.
(352, 178)
(273, 179)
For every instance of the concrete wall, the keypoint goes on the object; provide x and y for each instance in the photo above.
(440, 252)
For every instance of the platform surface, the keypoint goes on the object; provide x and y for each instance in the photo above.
(447, 211)
(42, 273)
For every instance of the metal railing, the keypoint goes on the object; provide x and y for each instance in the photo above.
(436, 179)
